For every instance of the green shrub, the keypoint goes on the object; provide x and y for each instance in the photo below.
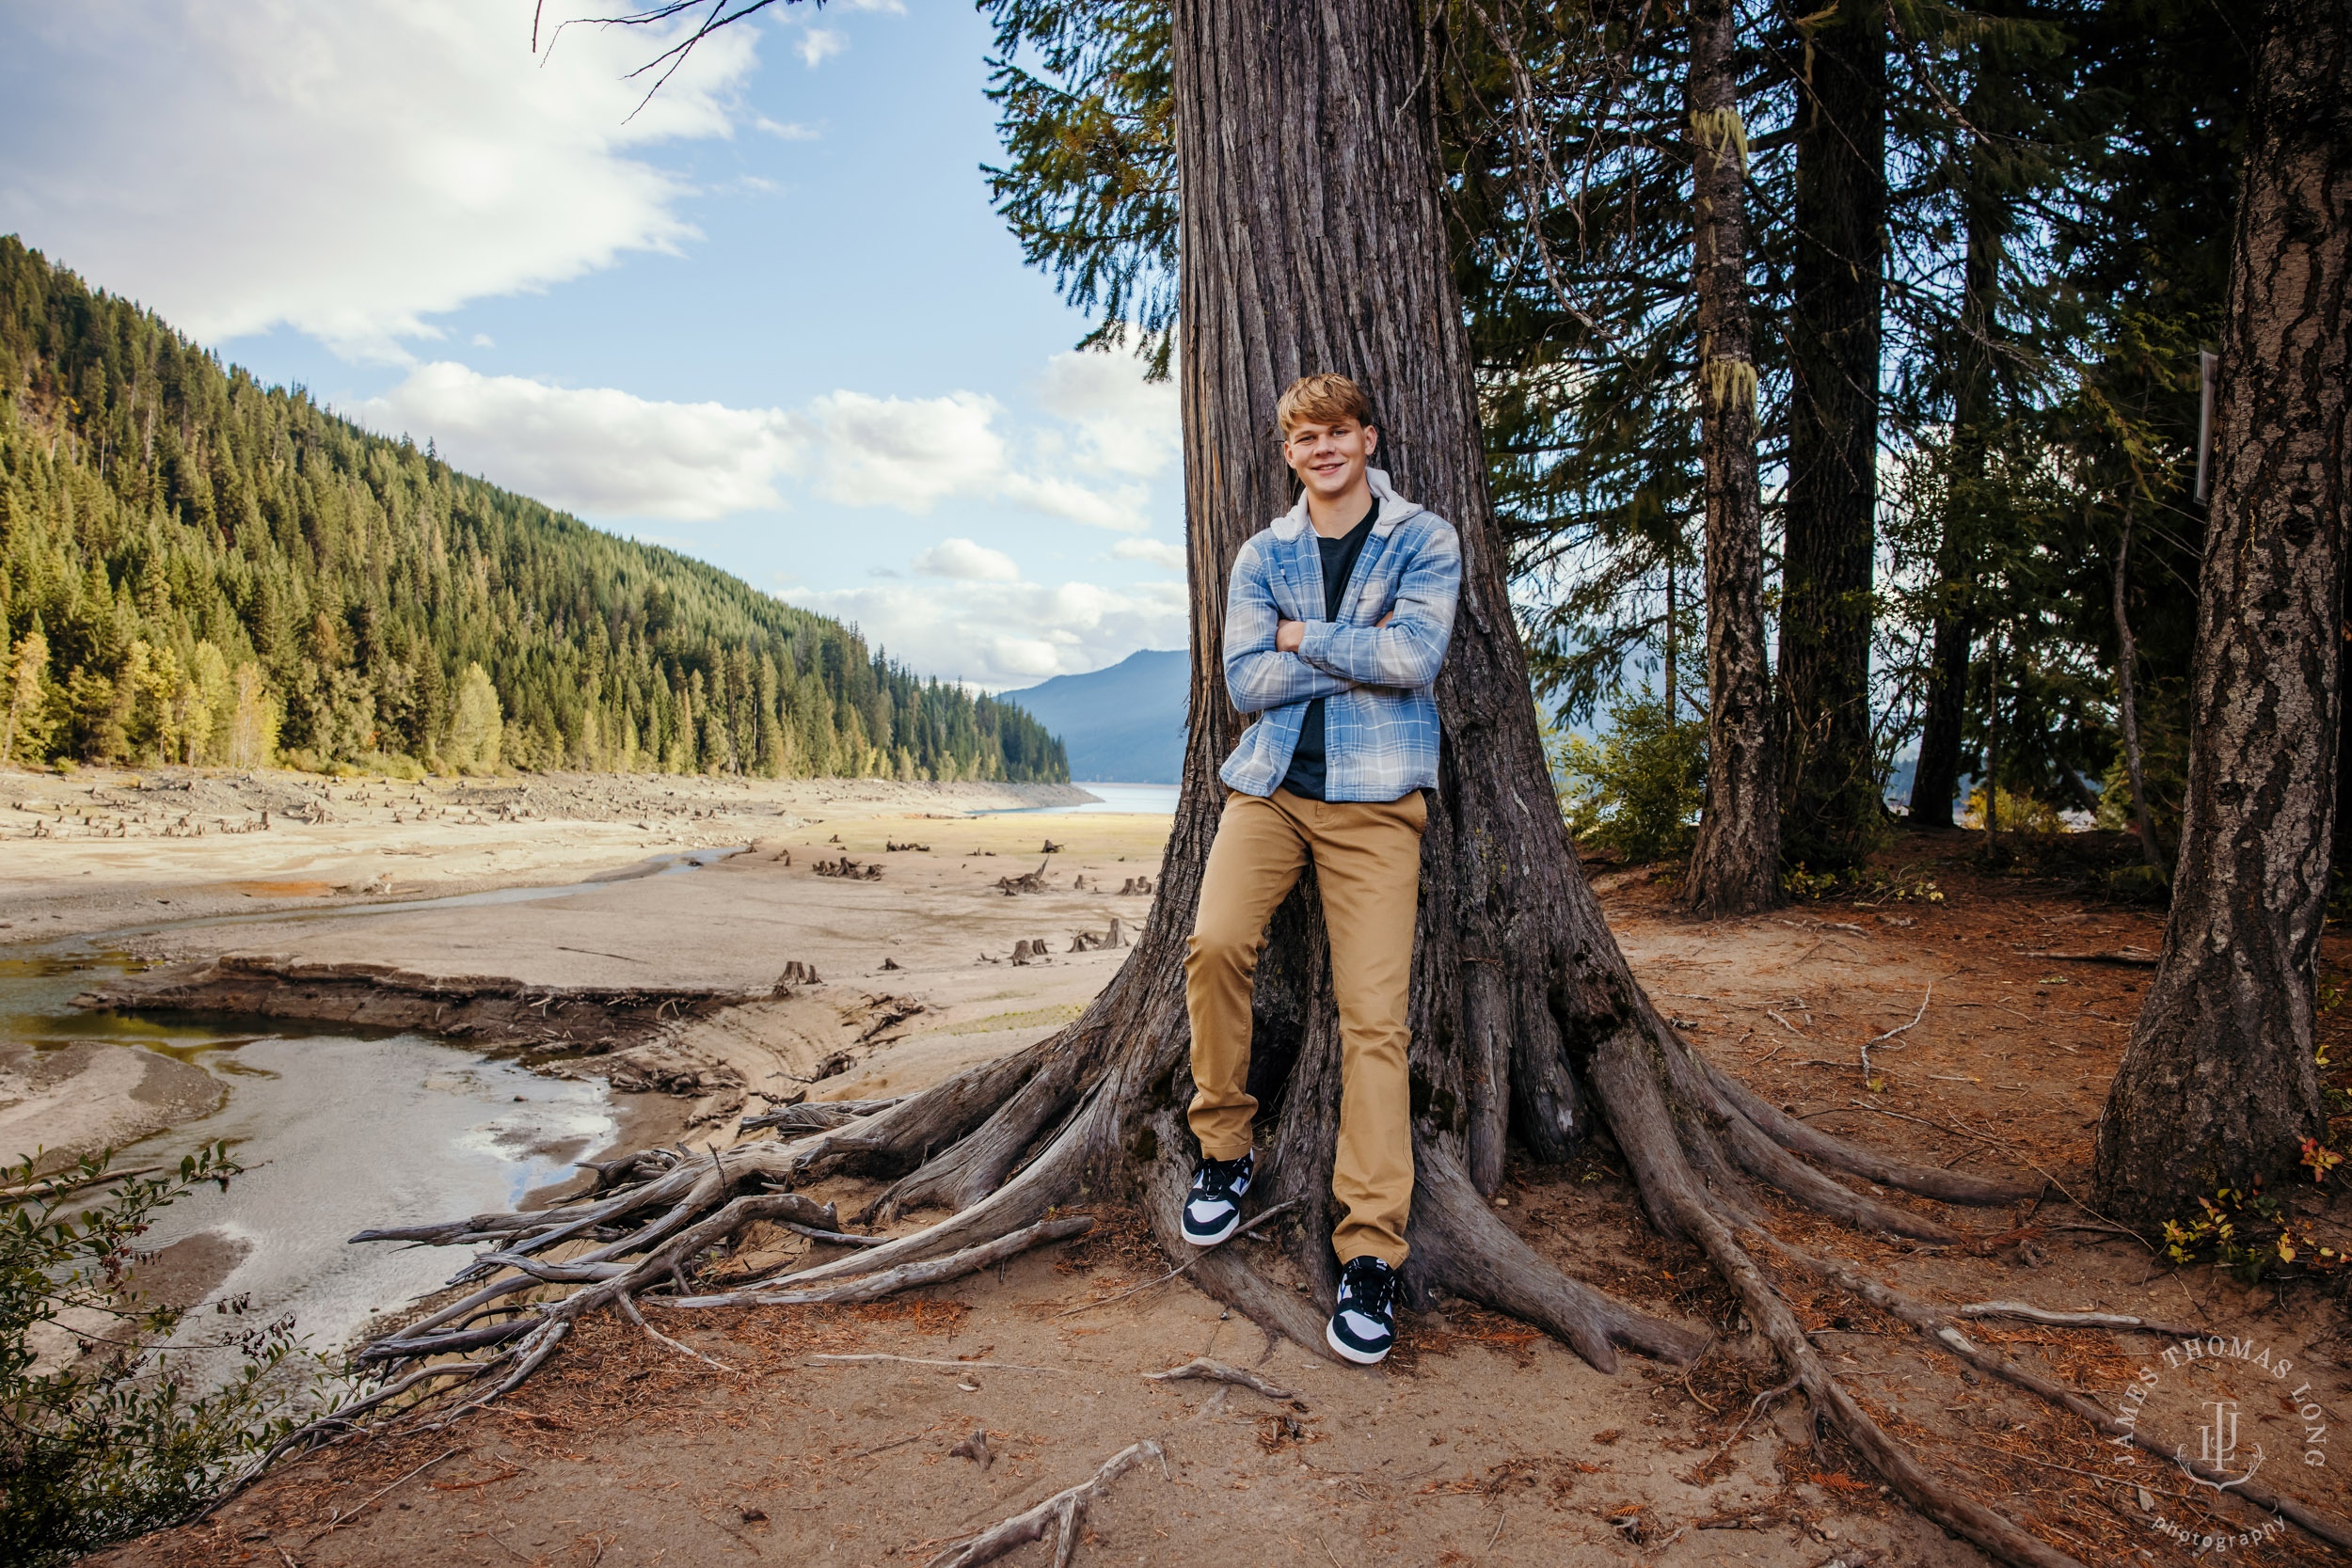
(1864, 884)
(101, 1438)
(1638, 789)
(2020, 814)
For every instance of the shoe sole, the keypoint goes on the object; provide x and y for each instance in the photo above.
(1230, 1226)
(1348, 1351)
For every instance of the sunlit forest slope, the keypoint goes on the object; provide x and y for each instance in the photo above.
(197, 568)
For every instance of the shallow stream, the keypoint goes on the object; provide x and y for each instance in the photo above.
(339, 1130)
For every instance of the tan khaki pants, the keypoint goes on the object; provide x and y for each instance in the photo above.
(1367, 860)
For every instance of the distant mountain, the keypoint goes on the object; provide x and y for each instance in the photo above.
(1123, 726)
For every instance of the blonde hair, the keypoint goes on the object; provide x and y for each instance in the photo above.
(1324, 398)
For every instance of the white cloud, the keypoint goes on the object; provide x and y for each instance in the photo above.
(966, 562)
(820, 44)
(609, 453)
(790, 129)
(998, 634)
(596, 450)
(1121, 509)
(1169, 556)
(908, 452)
(349, 168)
(1125, 424)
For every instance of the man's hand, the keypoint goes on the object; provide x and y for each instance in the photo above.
(1289, 636)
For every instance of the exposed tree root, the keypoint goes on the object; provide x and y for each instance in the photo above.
(1262, 1218)
(1062, 1512)
(1218, 1371)
(1934, 1325)
(1944, 1185)
(906, 1277)
(1628, 1083)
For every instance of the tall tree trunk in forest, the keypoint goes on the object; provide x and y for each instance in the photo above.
(2127, 701)
(1935, 778)
(1674, 648)
(1993, 738)
(1830, 807)
(2218, 1085)
(1735, 866)
(2342, 855)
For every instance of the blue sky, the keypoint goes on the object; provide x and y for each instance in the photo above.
(770, 321)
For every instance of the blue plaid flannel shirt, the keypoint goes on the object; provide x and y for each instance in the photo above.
(1380, 720)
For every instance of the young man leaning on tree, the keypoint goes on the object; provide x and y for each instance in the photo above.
(1335, 626)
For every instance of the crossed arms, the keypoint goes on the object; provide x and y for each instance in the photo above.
(1405, 650)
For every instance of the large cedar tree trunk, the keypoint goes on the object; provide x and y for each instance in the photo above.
(1735, 866)
(2220, 1085)
(1828, 806)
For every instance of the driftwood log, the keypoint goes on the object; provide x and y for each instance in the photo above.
(1028, 881)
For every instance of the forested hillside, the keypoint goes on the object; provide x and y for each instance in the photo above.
(197, 568)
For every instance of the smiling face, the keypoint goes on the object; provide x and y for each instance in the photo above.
(1329, 456)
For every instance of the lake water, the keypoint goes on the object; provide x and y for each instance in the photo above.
(339, 1130)
(1136, 799)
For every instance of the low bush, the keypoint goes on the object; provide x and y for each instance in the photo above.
(1638, 789)
(2020, 814)
(102, 1438)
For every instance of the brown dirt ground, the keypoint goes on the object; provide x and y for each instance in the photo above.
(1479, 1442)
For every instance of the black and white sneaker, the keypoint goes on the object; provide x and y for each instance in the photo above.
(1363, 1324)
(1213, 1208)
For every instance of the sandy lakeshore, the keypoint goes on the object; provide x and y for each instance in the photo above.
(759, 978)
(101, 848)
(321, 892)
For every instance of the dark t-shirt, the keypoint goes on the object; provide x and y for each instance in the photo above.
(1338, 563)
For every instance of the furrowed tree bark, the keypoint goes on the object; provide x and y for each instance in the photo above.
(1829, 802)
(1935, 780)
(2127, 701)
(2218, 1085)
(1735, 866)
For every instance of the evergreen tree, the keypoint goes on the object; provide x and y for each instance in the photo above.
(195, 568)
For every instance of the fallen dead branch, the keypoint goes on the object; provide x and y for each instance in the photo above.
(2134, 956)
(1063, 1513)
(54, 1186)
(1218, 1371)
(2074, 1319)
(1898, 1030)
